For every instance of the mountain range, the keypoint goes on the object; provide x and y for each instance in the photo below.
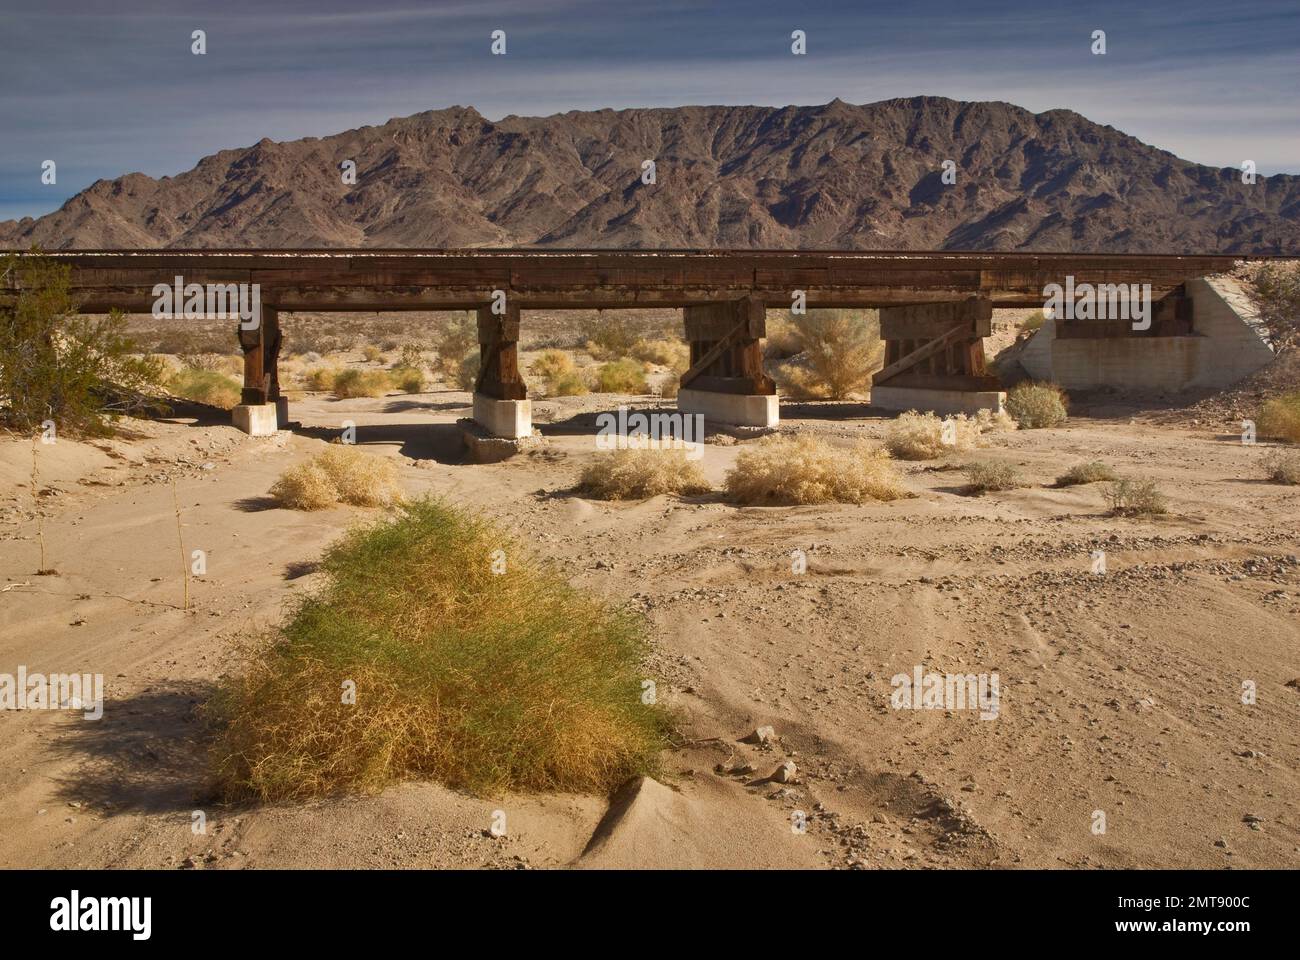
(836, 176)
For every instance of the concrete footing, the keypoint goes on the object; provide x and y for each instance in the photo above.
(256, 420)
(509, 419)
(483, 447)
(282, 412)
(733, 409)
(937, 401)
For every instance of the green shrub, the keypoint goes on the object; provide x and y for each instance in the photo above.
(407, 379)
(56, 364)
(1279, 418)
(1034, 404)
(205, 386)
(484, 680)
(608, 338)
(456, 341)
(622, 376)
(361, 383)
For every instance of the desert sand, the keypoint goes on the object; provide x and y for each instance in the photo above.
(1119, 692)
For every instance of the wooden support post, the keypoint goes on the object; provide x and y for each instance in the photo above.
(253, 343)
(272, 340)
(498, 337)
(726, 348)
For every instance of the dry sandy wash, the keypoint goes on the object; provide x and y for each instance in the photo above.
(1119, 693)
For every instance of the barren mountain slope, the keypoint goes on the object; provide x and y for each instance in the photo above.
(832, 176)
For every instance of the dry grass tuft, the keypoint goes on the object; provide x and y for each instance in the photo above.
(807, 469)
(1035, 404)
(1283, 466)
(925, 436)
(341, 474)
(361, 383)
(1092, 472)
(986, 476)
(1135, 498)
(639, 474)
(481, 680)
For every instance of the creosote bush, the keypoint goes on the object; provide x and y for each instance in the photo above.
(808, 469)
(341, 474)
(56, 364)
(666, 353)
(561, 376)
(205, 386)
(622, 376)
(985, 476)
(1092, 472)
(407, 379)
(838, 350)
(456, 344)
(1135, 498)
(1035, 404)
(321, 379)
(361, 383)
(637, 474)
(608, 338)
(1279, 418)
(472, 664)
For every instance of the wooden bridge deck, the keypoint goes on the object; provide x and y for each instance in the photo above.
(367, 279)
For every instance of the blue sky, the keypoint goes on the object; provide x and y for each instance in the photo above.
(111, 87)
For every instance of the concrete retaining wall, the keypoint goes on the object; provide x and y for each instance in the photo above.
(1228, 344)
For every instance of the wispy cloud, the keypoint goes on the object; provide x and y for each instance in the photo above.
(108, 89)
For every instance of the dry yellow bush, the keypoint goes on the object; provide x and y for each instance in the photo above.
(562, 378)
(1034, 405)
(638, 474)
(807, 469)
(341, 474)
(321, 378)
(925, 436)
(666, 353)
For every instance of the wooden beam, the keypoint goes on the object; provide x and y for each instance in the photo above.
(922, 352)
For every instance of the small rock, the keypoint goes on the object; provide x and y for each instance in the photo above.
(785, 772)
(761, 735)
